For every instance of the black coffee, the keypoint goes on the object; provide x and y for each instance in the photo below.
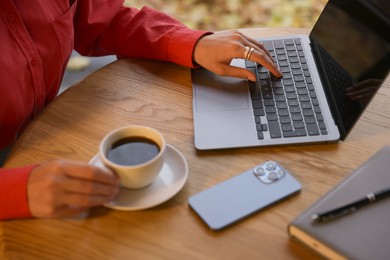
(133, 150)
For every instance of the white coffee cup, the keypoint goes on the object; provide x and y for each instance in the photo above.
(142, 170)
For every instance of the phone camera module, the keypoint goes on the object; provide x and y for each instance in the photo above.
(269, 172)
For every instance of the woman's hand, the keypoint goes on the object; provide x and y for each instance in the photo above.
(215, 52)
(67, 188)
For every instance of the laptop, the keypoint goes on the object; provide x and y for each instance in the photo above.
(329, 77)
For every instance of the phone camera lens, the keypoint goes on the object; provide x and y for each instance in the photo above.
(270, 166)
(259, 171)
(273, 176)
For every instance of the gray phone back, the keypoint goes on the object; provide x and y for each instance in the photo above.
(240, 196)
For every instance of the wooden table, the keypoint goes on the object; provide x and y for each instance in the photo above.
(159, 95)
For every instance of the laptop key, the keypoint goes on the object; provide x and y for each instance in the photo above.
(254, 90)
(296, 117)
(283, 112)
(302, 91)
(289, 89)
(310, 120)
(312, 129)
(317, 109)
(298, 78)
(295, 133)
(306, 104)
(268, 45)
(288, 82)
(263, 75)
(304, 98)
(277, 84)
(297, 72)
(295, 109)
(279, 44)
(291, 95)
(280, 98)
(287, 127)
(270, 109)
(307, 112)
(290, 48)
(281, 104)
(315, 102)
(296, 65)
(322, 125)
(283, 63)
(292, 54)
(265, 81)
(285, 120)
(282, 57)
(269, 102)
(293, 59)
(299, 124)
(257, 103)
(284, 69)
(272, 117)
(278, 91)
(293, 102)
(274, 129)
(320, 118)
(250, 64)
(259, 112)
(266, 88)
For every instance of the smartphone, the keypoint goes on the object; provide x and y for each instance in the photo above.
(244, 194)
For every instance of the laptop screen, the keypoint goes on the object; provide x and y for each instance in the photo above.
(351, 43)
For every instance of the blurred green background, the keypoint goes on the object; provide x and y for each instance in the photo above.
(233, 14)
(212, 15)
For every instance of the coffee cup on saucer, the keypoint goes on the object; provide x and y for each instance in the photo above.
(135, 153)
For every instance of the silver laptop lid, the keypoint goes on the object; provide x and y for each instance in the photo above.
(351, 47)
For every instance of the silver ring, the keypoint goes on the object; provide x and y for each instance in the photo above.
(250, 53)
(246, 52)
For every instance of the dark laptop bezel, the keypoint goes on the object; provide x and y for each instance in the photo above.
(378, 22)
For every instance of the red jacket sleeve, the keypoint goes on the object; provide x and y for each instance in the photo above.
(13, 193)
(107, 27)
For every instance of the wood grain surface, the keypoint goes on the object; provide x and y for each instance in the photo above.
(159, 95)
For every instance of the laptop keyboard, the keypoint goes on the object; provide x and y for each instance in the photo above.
(285, 107)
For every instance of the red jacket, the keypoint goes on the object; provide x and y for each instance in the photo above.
(36, 41)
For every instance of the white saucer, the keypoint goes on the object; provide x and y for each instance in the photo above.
(168, 183)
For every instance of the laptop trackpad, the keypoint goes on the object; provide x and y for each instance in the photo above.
(217, 93)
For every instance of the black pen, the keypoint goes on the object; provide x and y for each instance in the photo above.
(351, 207)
